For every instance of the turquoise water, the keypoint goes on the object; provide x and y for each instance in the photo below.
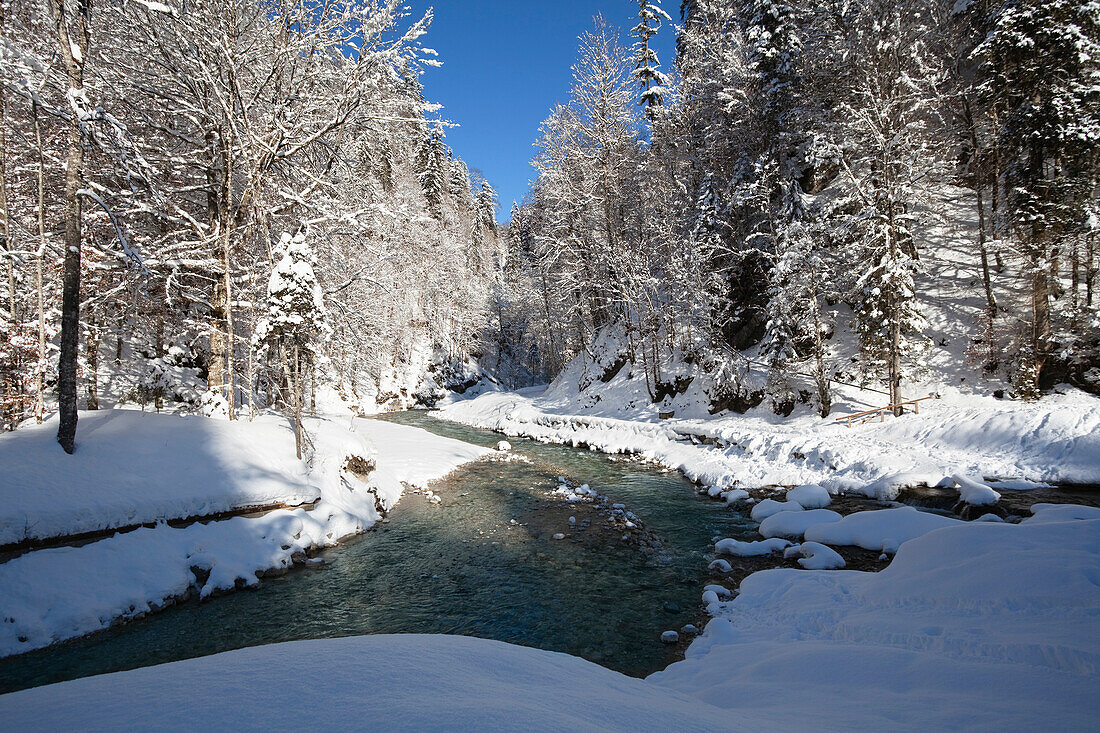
(460, 568)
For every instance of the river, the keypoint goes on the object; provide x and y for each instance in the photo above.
(474, 565)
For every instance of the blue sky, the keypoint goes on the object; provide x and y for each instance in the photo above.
(505, 64)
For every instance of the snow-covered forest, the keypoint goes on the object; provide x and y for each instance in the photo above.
(262, 195)
(800, 156)
(256, 196)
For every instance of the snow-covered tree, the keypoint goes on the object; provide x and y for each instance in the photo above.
(651, 81)
(295, 318)
(1041, 78)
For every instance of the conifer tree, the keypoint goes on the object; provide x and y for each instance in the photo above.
(647, 65)
(295, 319)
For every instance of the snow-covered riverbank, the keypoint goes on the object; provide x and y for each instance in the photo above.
(134, 468)
(1054, 440)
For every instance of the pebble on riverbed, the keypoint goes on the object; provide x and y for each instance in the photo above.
(559, 536)
(689, 630)
(670, 637)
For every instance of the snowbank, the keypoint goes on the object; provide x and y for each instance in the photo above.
(406, 682)
(1055, 440)
(881, 530)
(975, 626)
(132, 468)
(55, 594)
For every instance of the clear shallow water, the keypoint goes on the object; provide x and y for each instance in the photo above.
(461, 568)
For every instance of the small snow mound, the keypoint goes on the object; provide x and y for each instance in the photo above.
(816, 556)
(810, 496)
(504, 445)
(795, 524)
(771, 507)
(887, 488)
(738, 548)
(879, 529)
(974, 492)
(670, 637)
(1045, 513)
(734, 495)
(720, 565)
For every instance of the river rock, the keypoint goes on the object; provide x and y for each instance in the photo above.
(504, 445)
(689, 630)
(670, 637)
(672, 607)
(559, 536)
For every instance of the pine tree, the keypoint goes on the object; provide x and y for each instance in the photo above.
(431, 162)
(647, 72)
(887, 119)
(796, 324)
(486, 205)
(295, 319)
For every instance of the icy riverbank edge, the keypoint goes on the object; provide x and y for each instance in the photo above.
(1056, 440)
(132, 467)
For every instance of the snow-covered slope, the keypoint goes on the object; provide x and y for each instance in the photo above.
(409, 682)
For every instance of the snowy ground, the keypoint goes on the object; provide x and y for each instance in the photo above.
(132, 467)
(1054, 440)
(410, 682)
(974, 626)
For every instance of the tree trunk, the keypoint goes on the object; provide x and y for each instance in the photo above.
(895, 365)
(74, 176)
(215, 376)
(296, 391)
(92, 343)
(231, 382)
(40, 368)
(12, 399)
(1040, 331)
(824, 398)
